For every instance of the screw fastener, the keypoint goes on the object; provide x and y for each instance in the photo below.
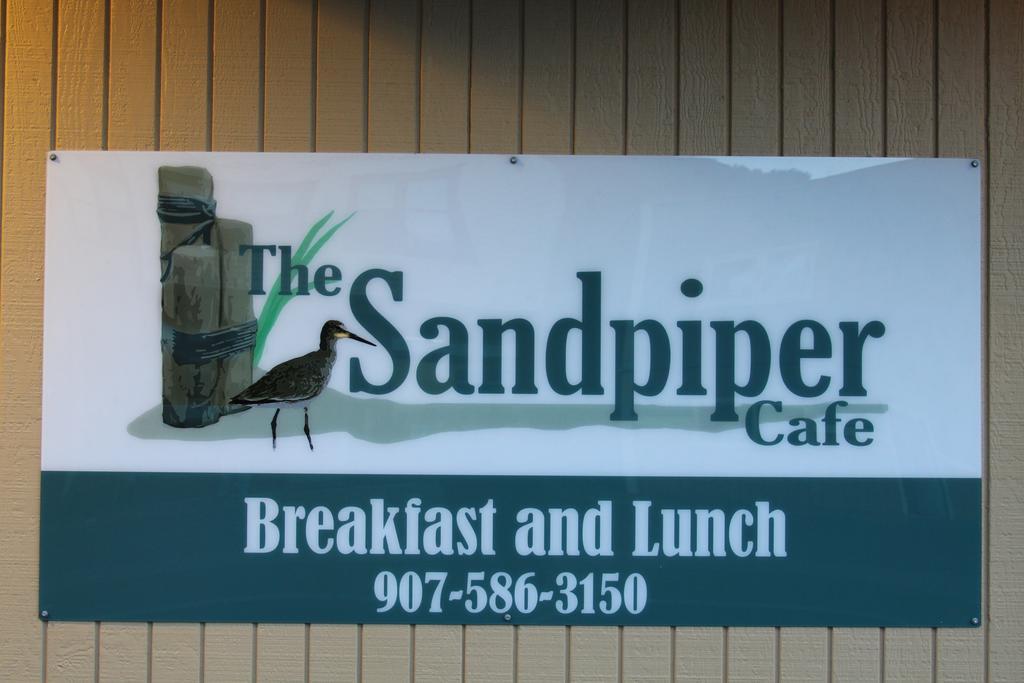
(975, 621)
(975, 163)
(44, 614)
(513, 160)
(53, 157)
(508, 617)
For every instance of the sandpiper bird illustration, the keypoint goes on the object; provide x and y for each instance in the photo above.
(296, 382)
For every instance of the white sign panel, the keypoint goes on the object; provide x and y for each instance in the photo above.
(725, 386)
(873, 245)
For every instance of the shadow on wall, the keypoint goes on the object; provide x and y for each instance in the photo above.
(384, 421)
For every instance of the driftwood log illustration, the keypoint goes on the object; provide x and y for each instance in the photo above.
(208, 323)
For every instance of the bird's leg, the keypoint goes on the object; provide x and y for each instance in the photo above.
(273, 429)
(305, 428)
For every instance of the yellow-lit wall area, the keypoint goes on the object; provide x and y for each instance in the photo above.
(750, 77)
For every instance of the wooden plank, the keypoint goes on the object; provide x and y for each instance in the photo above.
(803, 654)
(646, 653)
(333, 653)
(600, 108)
(859, 78)
(547, 76)
(79, 117)
(910, 131)
(908, 654)
(910, 114)
(288, 126)
(70, 652)
(133, 87)
(26, 119)
(280, 652)
(393, 106)
(489, 653)
(960, 653)
(651, 78)
(444, 98)
(961, 79)
(133, 84)
(80, 74)
(3, 58)
(704, 127)
(237, 97)
(751, 654)
(184, 75)
(856, 654)
(175, 652)
(541, 653)
(860, 104)
(228, 652)
(704, 78)
(859, 131)
(699, 654)
(494, 105)
(124, 652)
(386, 653)
(341, 75)
(438, 654)
(3, 48)
(287, 106)
(807, 78)
(1006, 301)
(808, 129)
(288, 103)
(594, 654)
(755, 78)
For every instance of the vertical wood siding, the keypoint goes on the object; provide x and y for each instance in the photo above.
(800, 77)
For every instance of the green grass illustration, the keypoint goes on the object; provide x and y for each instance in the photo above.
(276, 301)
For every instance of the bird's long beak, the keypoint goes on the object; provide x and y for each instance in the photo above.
(353, 335)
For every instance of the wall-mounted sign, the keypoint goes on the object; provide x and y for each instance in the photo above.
(567, 390)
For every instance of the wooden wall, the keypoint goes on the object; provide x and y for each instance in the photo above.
(767, 77)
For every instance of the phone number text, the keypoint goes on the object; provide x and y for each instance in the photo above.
(502, 593)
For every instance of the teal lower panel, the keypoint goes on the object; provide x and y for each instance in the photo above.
(172, 547)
